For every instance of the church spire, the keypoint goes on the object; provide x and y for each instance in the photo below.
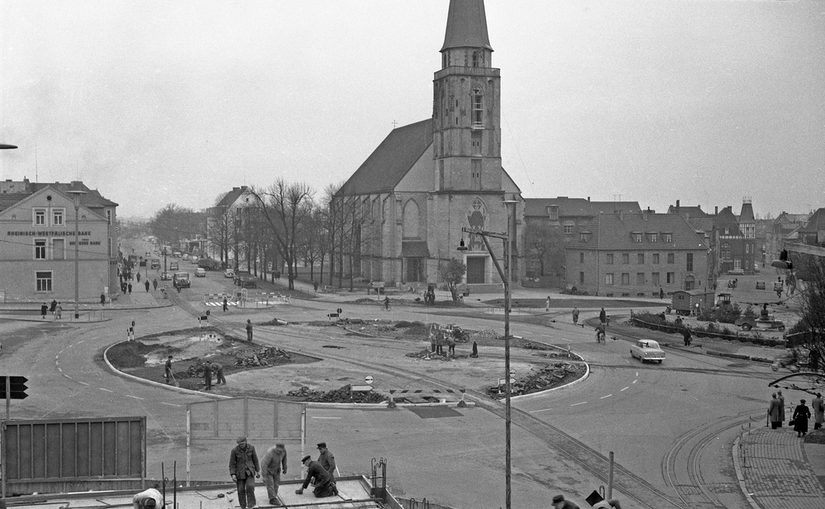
(466, 26)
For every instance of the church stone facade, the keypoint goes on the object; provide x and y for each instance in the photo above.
(403, 210)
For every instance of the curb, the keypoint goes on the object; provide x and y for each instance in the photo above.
(740, 476)
(739, 356)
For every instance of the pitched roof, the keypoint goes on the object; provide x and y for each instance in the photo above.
(687, 212)
(230, 197)
(613, 232)
(815, 224)
(569, 207)
(466, 25)
(90, 199)
(393, 158)
(746, 215)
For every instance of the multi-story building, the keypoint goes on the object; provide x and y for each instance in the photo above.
(734, 240)
(550, 225)
(636, 254)
(225, 228)
(37, 231)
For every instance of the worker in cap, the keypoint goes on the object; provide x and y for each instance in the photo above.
(327, 459)
(244, 468)
(324, 486)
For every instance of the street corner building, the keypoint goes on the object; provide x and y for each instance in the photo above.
(400, 216)
(37, 235)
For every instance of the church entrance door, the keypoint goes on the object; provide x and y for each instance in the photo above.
(476, 269)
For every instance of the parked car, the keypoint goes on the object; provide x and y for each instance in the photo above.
(229, 273)
(760, 285)
(155, 264)
(747, 324)
(165, 276)
(736, 272)
(647, 350)
(241, 275)
(200, 272)
(181, 280)
(173, 266)
(248, 282)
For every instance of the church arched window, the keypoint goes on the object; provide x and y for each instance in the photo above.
(411, 221)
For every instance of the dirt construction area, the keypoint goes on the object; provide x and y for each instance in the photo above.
(266, 371)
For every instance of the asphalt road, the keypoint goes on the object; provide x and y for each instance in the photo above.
(670, 426)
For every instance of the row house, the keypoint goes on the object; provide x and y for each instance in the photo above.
(552, 223)
(37, 230)
(636, 254)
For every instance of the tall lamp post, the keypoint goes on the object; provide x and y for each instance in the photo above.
(76, 193)
(506, 276)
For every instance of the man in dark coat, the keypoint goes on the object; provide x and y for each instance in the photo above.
(53, 306)
(43, 310)
(326, 459)
(272, 464)
(244, 468)
(324, 487)
(249, 330)
(781, 399)
(800, 419)
(207, 376)
(602, 316)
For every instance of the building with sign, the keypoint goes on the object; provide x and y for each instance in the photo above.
(37, 242)
(399, 217)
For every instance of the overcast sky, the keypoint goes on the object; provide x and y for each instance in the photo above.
(157, 102)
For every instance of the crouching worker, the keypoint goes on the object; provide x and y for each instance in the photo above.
(148, 499)
(324, 487)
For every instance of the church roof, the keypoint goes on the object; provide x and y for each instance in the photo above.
(393, 158)
(466, 25)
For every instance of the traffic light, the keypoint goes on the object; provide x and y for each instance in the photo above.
(17, 386)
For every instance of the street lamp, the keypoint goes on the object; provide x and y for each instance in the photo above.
(509, 239)
(76, 193)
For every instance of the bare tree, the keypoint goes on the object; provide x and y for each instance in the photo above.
(284, 207)
(810, 331)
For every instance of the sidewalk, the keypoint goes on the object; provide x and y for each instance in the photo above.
(777, 470)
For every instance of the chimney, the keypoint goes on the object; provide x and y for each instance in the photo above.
(716, 210)
(588, 199)
(677, 204)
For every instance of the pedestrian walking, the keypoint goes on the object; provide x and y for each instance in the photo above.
(324, 486)
(800, 419)
(217, 368)
(386, 303)
(781, 399)
(773, 412)
(432, 333)
(148, 499)
(474, 353)
(315, 286)
(249, 330)
(547, 304)
(439, 341)
(43, 310)
(102, 299)
(575, 316)
(560, 503)
(129, 288)
(52, 306)
(244, 468)
(819, 411)
(327, 460)
(207, 377)
(167, 370)
(273, 464)
(686, 335)
(603, 317)
(225, 304)
(155, 284)
(450, 344)
(138, 277)
(146, 284)
(58, 311)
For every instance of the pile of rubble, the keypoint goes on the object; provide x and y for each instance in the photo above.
(265, 356)
(551, 375)
(342, 395)
(429, 355)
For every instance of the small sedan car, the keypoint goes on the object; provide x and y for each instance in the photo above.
(200, 272)
(165, 276)
(229, 273)
(647, 350)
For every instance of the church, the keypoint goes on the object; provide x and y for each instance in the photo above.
(402, 212)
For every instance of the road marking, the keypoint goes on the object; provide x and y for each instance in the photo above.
(169, 404)
(105, 389)
(542, 410)
(608, 396)
(624, 389)
(81, 383)
(634, 381)
(136, 397)
(331, 418)
(580, 403)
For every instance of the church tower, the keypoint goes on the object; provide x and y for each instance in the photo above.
(466, 112)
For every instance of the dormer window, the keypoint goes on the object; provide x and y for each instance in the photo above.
(653, 237)
(585, 236)
(667, 238)
(636, 237)
(553, 212)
